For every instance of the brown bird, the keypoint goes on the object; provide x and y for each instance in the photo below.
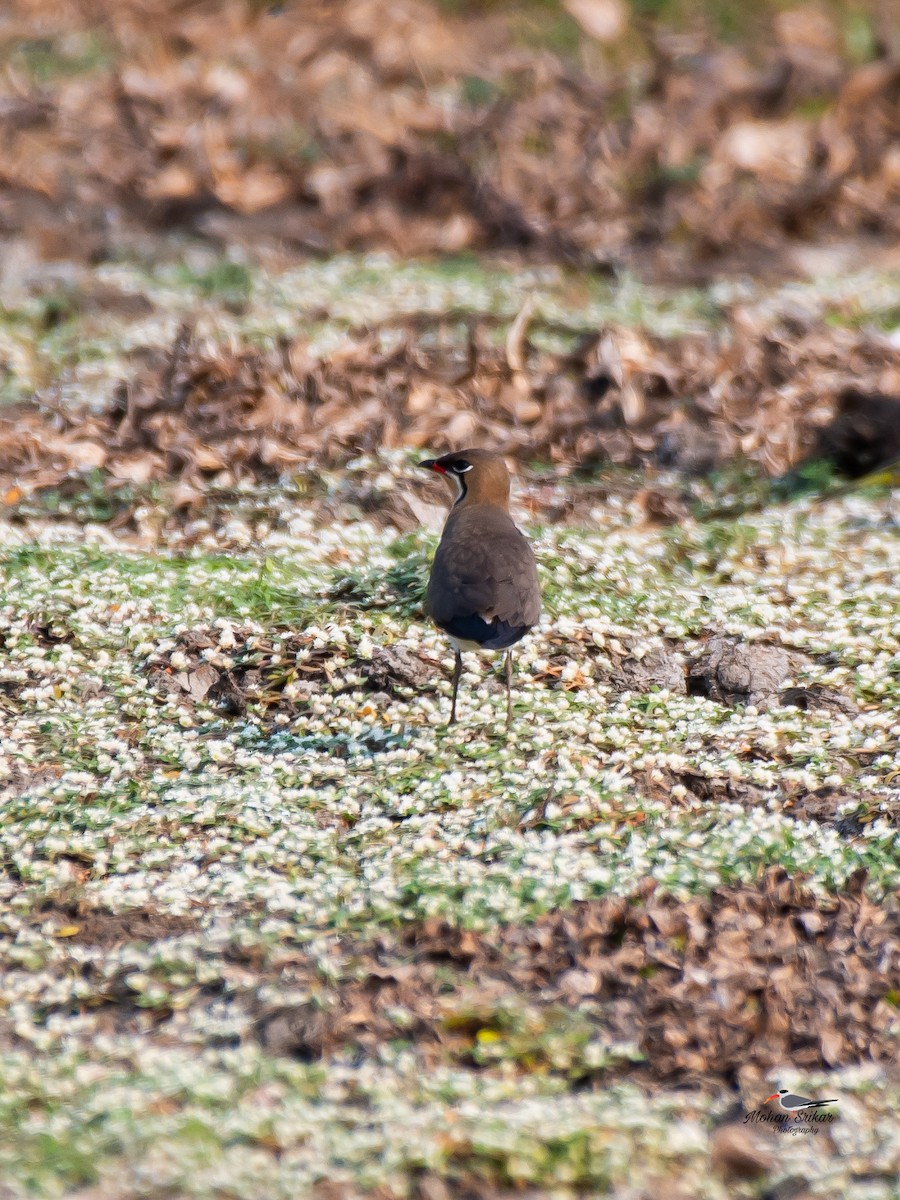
(483, 591)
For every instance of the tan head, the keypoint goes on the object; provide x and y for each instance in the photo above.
(473, 476)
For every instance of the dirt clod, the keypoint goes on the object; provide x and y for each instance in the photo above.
(396, 666)
(658, 667)
(816, 696)
(863, 435)
(733, 672)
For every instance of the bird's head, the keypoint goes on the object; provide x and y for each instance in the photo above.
(474, 476)
(775, 1095)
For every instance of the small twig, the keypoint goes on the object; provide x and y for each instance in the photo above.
(515, 339)
(176, 357)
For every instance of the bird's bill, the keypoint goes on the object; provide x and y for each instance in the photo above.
(432, 464)
(774, 1096)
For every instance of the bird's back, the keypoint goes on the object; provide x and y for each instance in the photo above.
(484, 586)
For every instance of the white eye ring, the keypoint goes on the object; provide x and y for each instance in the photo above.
(461, 468)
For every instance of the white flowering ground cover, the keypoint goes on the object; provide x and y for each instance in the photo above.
(356, 811)
(220, 846)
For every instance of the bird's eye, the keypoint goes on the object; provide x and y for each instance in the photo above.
(460, 466)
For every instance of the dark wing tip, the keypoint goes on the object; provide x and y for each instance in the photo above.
(492, 635)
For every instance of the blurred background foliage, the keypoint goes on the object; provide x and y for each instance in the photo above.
(676, 138)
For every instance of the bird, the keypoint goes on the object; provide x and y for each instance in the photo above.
(792, 1104)
(483, 590)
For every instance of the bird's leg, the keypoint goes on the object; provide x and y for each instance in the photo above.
(508, 688)
(457, 671)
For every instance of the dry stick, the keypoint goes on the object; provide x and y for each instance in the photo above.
(515, 339)
(175, 359)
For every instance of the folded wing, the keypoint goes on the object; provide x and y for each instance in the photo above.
(484, 584)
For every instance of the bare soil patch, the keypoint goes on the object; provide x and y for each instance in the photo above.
(731, 985)
(87, 926)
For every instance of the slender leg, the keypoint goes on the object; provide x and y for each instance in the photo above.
(508, 688)
(457, 671)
